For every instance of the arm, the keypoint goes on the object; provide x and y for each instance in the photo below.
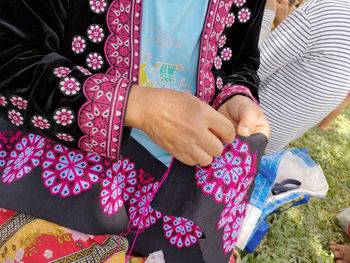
(42, 87)
(285, 44)
(239, 74)
(269, 16)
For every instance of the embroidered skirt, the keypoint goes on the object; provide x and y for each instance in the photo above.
(190, 213)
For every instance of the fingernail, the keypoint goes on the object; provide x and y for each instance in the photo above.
(245, 131)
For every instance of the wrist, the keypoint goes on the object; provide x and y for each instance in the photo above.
(136, 107)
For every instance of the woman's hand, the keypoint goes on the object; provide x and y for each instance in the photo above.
(246, 116)
(187, 128)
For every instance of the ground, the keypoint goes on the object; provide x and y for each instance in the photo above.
(302, 234)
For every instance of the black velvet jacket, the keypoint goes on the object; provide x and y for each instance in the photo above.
(66, 68)
(40, 55)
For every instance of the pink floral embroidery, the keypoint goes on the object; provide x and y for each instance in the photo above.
(239, 3)
(95, 33)
(228, 91)
(231, 232)
(101, 117)
(15, 117)
(65, 137)
(3, 154)
(235, 206)
(41, 122)
(181, 231)
(117, 186)
(25, 156)
(222, 41)
(231, 219)
(141, 214)
(67, 171)
(122, 48)
(98, 6)
(219, 83)
(244, 15)
(230, 19)
(69, 86)
(19, 102)
(3, 101)
(61, 72)
(94, 61)
(226, 53)
(63, 116)
(78, 44)
(214, 26)
(217, 63)
(228, 179)
(222, 177)
(84, 70)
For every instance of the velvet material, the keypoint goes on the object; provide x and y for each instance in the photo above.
(43, 178)
(242, 38)
(36, 37)
(33, 42)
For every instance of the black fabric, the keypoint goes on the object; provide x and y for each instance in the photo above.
(184, 197)
(84, 212)
(243, 39)
(35, 38)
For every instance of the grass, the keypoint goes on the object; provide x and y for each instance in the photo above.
(302, 234)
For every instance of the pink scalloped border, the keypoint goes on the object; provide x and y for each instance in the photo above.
(228, 90)
(213, 27)
(101, 118)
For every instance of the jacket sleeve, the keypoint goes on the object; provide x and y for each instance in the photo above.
(42, 91)
(237, 62)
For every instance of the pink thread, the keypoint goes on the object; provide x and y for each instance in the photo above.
(138, 227)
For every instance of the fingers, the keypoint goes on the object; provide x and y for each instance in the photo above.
(262, 125)
(186, 159)
(332, 245)
(196, 156)
(221, 127)
(248, 119)
(210, 143)
(200, 156)
(338, 254)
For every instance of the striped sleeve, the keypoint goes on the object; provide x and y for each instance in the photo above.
(269, 16)
(285, 44)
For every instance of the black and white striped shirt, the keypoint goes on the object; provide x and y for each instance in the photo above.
(305, 69)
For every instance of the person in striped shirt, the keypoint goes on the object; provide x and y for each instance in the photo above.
(305, 68)
(325, 124)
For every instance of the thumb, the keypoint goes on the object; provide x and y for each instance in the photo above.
(248, 119)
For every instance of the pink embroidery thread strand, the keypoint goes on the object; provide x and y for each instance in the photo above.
(143, 216)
